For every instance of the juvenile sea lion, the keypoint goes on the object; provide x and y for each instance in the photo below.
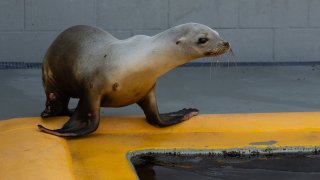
(90, 64)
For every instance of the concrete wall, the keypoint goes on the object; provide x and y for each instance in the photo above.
(259, 30)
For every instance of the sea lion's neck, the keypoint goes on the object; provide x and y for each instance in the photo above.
(166, 54)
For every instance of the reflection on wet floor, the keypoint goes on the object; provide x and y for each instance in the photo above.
(227, 166)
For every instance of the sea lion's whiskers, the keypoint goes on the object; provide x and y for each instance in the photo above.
(212, 66)
(211, 62)
(232, 56)
(217, 64)
(228, 62)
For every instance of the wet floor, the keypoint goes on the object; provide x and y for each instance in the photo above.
(204, 167)
(211, 90)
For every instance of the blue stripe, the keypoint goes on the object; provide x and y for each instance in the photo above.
(240, 64)
(20, 65)
(32, 65)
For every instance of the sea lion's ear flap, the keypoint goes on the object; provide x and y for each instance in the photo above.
(181, 39)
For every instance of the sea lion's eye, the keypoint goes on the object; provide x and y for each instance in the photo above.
(202, 40)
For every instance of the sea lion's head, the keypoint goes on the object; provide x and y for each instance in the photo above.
(198, 40)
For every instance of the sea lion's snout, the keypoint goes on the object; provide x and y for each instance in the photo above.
(224, 47)
(221, 48)
(226, 44)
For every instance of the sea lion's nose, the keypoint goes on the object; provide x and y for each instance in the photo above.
(226, 44)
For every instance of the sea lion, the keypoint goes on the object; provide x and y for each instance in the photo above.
(102, 71)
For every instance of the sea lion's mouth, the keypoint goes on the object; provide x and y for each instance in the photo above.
(220, 49)
(217, 51)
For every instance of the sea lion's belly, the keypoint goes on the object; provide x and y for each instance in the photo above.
(123, 93)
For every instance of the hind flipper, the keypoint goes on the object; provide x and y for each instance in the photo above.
(84, 120)
(56, 105)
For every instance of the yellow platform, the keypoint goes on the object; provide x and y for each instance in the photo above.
(27, 153)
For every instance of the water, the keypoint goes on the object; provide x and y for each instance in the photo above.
(229, 167)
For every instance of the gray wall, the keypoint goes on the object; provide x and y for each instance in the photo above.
(259, 30)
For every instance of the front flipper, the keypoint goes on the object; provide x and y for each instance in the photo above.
(150, 108)
(84, 120)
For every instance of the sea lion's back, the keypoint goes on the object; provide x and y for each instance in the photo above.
(74, 53)
(78, 40)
